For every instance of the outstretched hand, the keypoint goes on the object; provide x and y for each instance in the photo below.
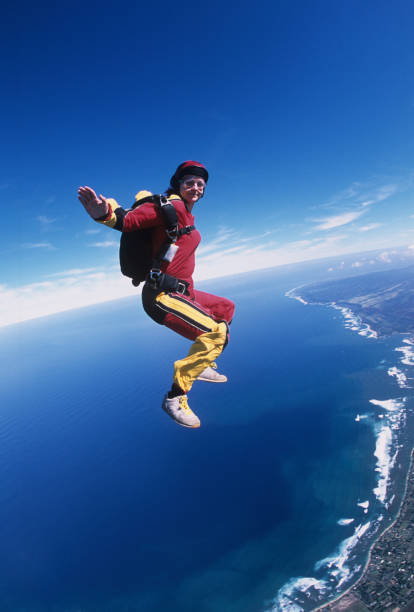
(94, 206)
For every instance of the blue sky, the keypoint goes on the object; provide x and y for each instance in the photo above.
(302, 111)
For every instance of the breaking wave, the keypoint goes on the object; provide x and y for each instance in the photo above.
(399, 376)
(345, 521)
(386, 448)
(339, 568)
(354, 322)
(407, 351)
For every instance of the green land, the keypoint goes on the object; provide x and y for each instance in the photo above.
(383, 300)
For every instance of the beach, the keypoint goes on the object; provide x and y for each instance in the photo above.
(387, 578)
(387, 581)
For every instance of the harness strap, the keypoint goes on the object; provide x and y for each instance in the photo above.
(169, 215)
(168, 248)
(186, 230)
(165, 282)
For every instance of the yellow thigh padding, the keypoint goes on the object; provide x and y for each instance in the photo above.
(203, 352)
(186, 309)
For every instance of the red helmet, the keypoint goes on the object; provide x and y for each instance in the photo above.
(188, 167)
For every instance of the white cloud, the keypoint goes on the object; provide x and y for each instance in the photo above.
(224, 235)
(72, 272)
(38, 245)
(62, 293)
(78, 287)
(105, 244)
(45, 220)
(338, 220)
(380, 194)
(361, 194)
(227, 254)
(350, 193)
(386, 256)
(368, 228)
(244, 257)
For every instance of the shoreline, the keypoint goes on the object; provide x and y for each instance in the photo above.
(338, 604)
(386, 581)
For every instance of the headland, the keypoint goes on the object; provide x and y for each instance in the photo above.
(384, 301)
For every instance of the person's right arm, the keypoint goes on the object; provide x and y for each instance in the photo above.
(110, 213)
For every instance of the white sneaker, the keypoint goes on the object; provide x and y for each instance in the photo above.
(179, 410)
(210, 375)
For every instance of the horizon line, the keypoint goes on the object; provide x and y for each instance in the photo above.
(117, 283)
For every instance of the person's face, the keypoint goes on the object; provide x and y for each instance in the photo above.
(192, 188)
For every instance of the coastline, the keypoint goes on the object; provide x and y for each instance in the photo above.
(351, 599)
(386, 581)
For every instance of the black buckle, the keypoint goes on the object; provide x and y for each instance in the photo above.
(172, 233)
(154, 274)
(181, 287)
(164, 282)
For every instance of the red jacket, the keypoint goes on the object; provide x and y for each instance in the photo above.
(148, 216)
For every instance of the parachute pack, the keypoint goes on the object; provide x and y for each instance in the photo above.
(135, 249)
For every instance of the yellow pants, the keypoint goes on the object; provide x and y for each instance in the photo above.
(201, 317)
(202, 353)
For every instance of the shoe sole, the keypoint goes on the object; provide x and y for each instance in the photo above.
(212, 381)
(179, 422)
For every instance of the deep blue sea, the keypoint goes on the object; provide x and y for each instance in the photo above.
(108, 506)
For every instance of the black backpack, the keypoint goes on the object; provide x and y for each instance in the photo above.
(135, 249)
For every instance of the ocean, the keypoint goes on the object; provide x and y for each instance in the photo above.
(107, 505)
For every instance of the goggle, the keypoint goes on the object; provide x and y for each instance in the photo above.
(194, 183)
